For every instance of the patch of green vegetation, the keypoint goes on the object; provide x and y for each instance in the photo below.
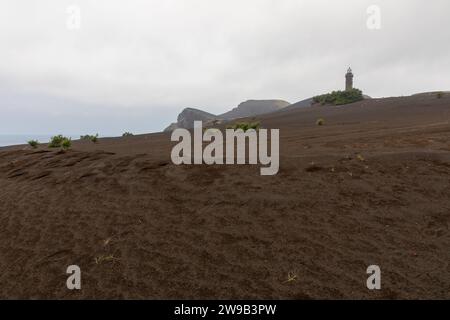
(440, 95)
(33, 143)
(56, 141)
(92, 138)
(66, 143)
(60, 141)
(246, 126)
(127, 134)
(339, 97)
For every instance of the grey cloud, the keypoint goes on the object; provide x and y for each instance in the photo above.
(136, 64)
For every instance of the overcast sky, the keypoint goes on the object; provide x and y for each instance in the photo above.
(134, 65)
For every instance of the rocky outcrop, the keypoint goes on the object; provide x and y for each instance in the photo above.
(171, 127)
(187, 117)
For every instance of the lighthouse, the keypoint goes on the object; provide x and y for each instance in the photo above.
(349, 80)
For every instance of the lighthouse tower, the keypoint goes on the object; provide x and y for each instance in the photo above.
(349, 80)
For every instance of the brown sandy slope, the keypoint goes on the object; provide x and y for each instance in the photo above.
(162, 231)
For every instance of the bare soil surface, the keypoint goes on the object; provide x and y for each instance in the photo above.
(371, 186)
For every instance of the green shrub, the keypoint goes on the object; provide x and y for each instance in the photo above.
(56, 141)
(94, 139)
(246, 126)
(127, 134)
(60, 141)
(33, 143)
(320, 122)
(339, 97)
(66, 143)
(440, 95)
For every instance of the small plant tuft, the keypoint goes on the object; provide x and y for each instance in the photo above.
(56, 141)
(291, 277)
(92, 138)
(127, 134)
(246, 126)
(60, 141)
(33, 143)
(66, 143)
(440, 95)
(320, 122)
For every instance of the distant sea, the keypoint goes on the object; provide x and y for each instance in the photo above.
(15, 139)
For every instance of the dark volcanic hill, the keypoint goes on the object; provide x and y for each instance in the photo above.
(249, 108)
(252, 108)
(246, 109)
(187, 117)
